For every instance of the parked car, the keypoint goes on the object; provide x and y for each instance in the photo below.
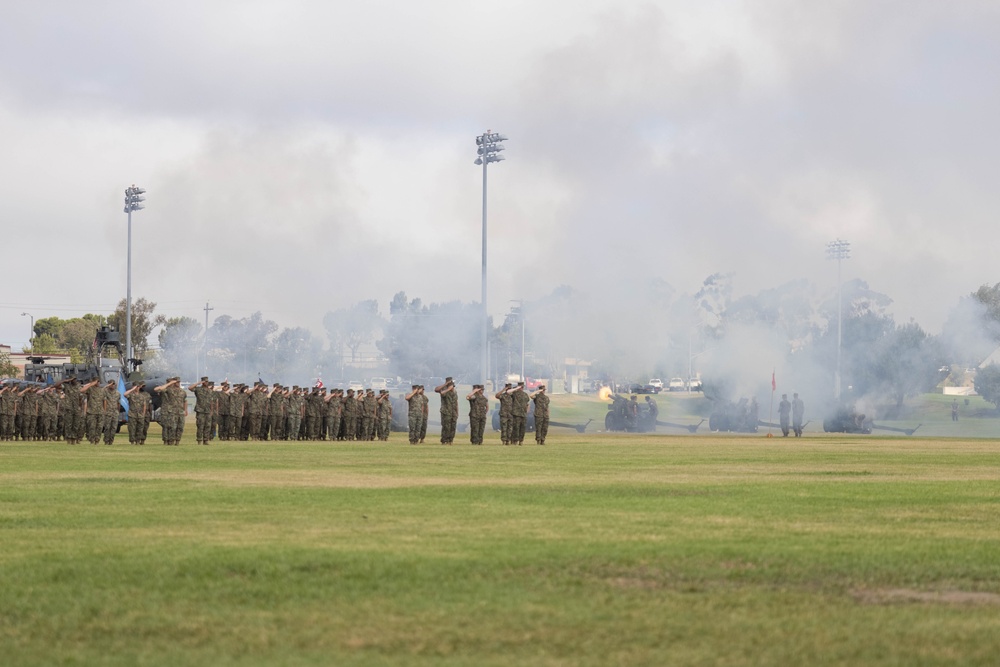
(677, 384)
(379, 383)
(356, 385)
(656, 383)
(694, 384)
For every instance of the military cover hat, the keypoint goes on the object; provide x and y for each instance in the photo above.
(204, 378)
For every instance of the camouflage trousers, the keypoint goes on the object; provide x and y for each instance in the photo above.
(541, 428)
(367, 428)
(383, 428)
(95, 427)
(415, 422)
(294, 424)
(517, 425)
(6, 426)
(173, 427)
(255, 423)
(277, 427)
(110, 427)
(73, 426)
(449, 423)
(477, 426)
(505, 428)
(203, 426)
(134, 429)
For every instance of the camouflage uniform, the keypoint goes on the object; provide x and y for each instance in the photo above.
(8, 408)
(138, 405)
(255, 406)
(384, 415)
(295, 405)
(276, 412)
(449, 412)
(350, 416)
(369, 408)
(506, 404)
(203, 397)
(72, 412)
(222, 408)
(95, 413)
(414, 411)
(111, 414)
(541, 400)
(334, 414)
(519, 414)
(479, 408)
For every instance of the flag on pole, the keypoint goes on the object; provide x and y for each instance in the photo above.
(121, 395)
(774, 385)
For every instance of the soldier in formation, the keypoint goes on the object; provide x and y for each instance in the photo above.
(416, 414)
(449, 410)
(204, 406)
(519, 414)
(479, 408)
(384, 415)
(541, 401)
(173, 410)
(506, 402)
(139, 413)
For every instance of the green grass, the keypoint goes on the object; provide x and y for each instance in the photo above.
(593, 550)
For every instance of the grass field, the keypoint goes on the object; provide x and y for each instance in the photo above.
(593, 550)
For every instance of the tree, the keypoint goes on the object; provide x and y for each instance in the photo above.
(143, 323)
(988, 384)
(7, 369)
(905, 362)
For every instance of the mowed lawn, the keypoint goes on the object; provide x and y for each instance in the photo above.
(592, 550)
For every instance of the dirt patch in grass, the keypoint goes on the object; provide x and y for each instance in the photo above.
(890, 596)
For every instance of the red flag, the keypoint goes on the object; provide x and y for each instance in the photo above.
(774, 385)
(319, 383)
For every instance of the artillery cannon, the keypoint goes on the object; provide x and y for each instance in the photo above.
(690, 428)
(848, 420)
(739, 417)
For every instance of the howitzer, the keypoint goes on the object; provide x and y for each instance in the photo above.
(738, 417)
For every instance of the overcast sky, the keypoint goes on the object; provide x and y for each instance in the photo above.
(301, 156)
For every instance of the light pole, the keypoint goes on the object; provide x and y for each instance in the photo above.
(133, 202)
(32, 326)
(838, 250)
(489, 146)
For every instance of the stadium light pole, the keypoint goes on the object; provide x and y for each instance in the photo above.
(32, 326)
(838, 250)
(489, 146)
(133, 202)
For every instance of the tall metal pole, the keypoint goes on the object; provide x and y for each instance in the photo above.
(490, 144)
(133, 202)
(128, 294)
(484, 362)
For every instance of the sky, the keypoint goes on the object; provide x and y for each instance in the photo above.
(300, 156)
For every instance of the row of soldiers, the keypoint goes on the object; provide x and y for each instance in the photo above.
(259, 412)
(514, 402)
(68, 410)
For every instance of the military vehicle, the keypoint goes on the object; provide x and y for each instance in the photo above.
(99, 366)
(738, 417)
